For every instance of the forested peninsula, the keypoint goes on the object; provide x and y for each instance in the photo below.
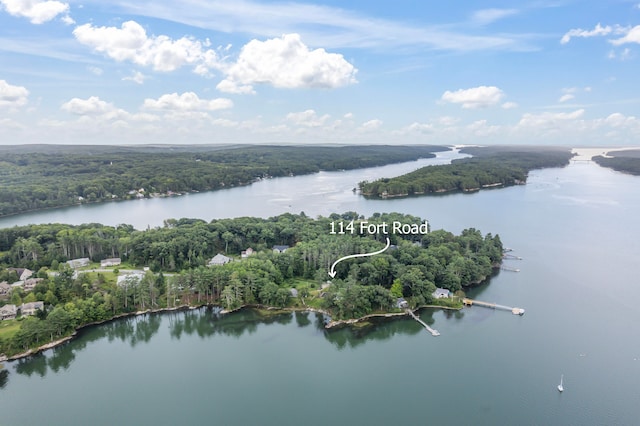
(490, 167)
(36, 177)
(627, 161)
(282, 261)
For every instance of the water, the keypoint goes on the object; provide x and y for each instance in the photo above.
(576, 230)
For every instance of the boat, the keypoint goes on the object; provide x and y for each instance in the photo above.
(560, 387)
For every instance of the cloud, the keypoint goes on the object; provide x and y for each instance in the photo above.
(187, 101)
(286, 62)
(599, 30)
(136, 77)
(488, 16)
(91, 106)
(416, 127)
(307, 118)
(131, 43)
(547, 119)
(38, 12)
(370, 125)
(509, 105)
(566, 97)
(12, 96)
(631, 36)
(477, 97)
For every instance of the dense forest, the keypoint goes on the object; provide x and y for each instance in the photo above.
(177, 255)
(42, 176)
(489, 167)
(622, 161)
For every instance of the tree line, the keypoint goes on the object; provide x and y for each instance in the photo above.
(178, 252)
(43, 177)
(490, 167)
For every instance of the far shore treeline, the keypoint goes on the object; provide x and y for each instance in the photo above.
(36, 177)
(490, 167)
(177, 254)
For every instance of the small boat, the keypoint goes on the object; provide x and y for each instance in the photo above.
(560, 387)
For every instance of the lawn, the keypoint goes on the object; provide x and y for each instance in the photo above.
(8, 328)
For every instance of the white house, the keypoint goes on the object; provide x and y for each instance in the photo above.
(8, 312)
(5, 288)
(441, 293)
(280, 249)
(219, 259)
(78, 263)
(31, 308)
(114, 261)
(246, 253)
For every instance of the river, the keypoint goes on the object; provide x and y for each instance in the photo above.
(574, 227)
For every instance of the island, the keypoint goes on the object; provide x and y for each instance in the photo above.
(490, 167)
(57, 278)
(626, 161)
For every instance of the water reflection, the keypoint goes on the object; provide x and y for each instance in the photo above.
(208, 322)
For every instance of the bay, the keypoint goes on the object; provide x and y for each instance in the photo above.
(575, 228)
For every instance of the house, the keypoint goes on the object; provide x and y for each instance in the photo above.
(219, 259)
(294, 292)
(136, 275)
(31, 308)
(5, 288)
(114, 261)
(22, 273)
(8, 312)
(246, 253)
(401, 303)
(78, 263)
(31, 283)
(441, 293)
(280, 249)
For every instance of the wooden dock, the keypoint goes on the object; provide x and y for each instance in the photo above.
(433, 331)
(515, 311)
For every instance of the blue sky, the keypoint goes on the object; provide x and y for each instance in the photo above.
(257, 71)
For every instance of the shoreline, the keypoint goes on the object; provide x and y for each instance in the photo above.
(331, 324)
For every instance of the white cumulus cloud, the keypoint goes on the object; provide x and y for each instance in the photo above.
(307, 118)
(91, 106)
(632, 36)
(131, 43)
(137, 77)
(547, 119)
(476, 97)
(37, 12)
(12, 96)
(370, 125)
(286, 62)
(187, 101)
(566, 97)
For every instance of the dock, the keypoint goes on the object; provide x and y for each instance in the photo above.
(433, 331)
(508, 268)
(514, 311)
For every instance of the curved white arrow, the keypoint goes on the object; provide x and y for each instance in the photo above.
(332, 271)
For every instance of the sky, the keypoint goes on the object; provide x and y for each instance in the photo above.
(542, 72)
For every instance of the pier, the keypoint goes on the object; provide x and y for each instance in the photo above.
(514, 311)
(433, 331)
(507, 268)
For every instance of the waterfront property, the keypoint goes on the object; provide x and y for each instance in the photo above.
(23, 273)
(280, 249)
(28, 309)
(246, 253)
(441, 293)
(5, 288)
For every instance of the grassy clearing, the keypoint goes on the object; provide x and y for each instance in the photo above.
(8, 328)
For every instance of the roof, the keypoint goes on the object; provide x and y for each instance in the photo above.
(219, 259)
(281, 248)
(441, 292)
(8, 309)
(32, 305)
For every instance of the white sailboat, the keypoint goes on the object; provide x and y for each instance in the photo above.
(560, 387)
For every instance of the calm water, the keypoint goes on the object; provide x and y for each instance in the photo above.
(576, 229)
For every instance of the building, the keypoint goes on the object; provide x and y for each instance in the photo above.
(219, 259)
(31, 308)
(31, 283)
(22, 273)
(78, 263)
(8, 312)
(441, 293)
(5, 288)
(280, 249)
(128, 277)
(401, 303)
(246, 253)
(114, 261)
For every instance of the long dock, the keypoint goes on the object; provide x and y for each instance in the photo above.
(514, 311)
(433, 331)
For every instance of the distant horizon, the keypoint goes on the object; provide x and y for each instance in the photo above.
(319, 72)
